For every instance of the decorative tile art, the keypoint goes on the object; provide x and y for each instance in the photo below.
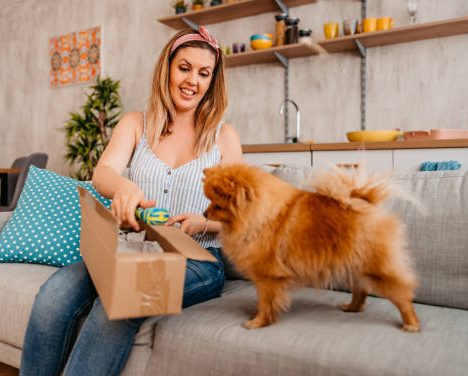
(75, 58)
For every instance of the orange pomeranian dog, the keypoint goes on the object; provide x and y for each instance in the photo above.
(281, 237)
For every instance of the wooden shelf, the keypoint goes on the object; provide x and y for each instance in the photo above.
(290, 51)
(226, 12)
(274, 148)
(403, 34)
(419, 144)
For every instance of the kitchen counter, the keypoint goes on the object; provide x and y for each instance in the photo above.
(420, 144)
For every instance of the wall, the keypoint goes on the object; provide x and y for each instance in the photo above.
(411, 86)
(31, 113)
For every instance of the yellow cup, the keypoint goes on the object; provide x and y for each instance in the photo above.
(331, 30)
(369, 24)
(385, 23)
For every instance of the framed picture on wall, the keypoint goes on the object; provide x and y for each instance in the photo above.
(75, 58)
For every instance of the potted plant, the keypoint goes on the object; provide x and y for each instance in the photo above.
(180, 6)
(88, 133)
(197, 4)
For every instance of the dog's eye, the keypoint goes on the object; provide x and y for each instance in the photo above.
(217, 207)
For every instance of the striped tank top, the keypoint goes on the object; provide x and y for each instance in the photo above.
(179, 190)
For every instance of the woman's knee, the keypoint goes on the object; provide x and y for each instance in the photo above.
(67, 280)
(99, 320)
(68, 289)
(203, 281)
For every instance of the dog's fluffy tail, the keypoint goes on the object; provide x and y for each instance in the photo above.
(353, 186)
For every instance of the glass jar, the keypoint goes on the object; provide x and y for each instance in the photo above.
(292, 30)
(280, 28)
(305, 36)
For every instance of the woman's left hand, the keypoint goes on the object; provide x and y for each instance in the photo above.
(191, 224)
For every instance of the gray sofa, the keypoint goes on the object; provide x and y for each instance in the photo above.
(315, 337)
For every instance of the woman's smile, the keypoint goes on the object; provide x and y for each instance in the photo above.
(187, 92)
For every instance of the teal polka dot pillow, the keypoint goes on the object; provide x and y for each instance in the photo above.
(46, 224)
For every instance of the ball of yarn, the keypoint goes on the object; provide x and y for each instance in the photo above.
(153, 216)
(439, 166)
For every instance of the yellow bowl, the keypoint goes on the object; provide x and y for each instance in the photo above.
(260, 44)
(374, 135)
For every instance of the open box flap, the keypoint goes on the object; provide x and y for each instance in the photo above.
(173, 239)
(98, 242)
(102, 220)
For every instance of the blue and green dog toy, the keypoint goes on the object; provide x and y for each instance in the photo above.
(152, 216)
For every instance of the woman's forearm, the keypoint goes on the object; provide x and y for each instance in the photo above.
(106, 180)
(214, 226)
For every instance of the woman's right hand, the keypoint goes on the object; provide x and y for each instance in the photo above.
(127, 197)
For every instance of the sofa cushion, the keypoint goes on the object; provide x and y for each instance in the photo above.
(438, 240)
(315, 338)
(19, 285)
(45, 226)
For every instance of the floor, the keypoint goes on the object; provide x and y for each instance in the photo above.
(7, 370)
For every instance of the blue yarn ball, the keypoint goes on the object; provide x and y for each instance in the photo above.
(438, 166)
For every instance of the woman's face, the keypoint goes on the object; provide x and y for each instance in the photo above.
(191, 72)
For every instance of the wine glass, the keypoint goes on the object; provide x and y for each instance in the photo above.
(412, 7)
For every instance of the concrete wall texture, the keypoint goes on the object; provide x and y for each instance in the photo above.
(417, 85)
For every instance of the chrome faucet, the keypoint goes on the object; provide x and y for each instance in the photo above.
(287, 137)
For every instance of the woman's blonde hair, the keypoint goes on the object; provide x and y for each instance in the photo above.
(161, 110)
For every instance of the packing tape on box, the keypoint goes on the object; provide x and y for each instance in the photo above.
(152, 284)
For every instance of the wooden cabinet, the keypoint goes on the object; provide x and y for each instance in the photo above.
(382, 161)
(374, 160)
(411, 159)
(377, 156)
(299, 159)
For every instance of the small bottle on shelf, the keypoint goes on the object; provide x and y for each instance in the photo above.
(305, 36)
(280, 28)
(292, 30)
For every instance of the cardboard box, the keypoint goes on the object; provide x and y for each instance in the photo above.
(135, 284)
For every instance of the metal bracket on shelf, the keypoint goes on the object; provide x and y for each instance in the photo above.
(190, 23)
(362, 49)
(364, 8)
(283, 60)
(363, 91)
(282, 6)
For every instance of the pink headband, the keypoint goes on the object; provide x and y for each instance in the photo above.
(203, 36)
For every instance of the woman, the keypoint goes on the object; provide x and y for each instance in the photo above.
(167, 149)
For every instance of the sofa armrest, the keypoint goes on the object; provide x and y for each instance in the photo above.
(4, 217)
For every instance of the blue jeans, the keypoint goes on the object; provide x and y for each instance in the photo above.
(55, 342)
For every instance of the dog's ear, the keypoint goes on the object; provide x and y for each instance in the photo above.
(244, 196)
(208, 171)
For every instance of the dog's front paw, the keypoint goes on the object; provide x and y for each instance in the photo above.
(352, 308)
(255, 323)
